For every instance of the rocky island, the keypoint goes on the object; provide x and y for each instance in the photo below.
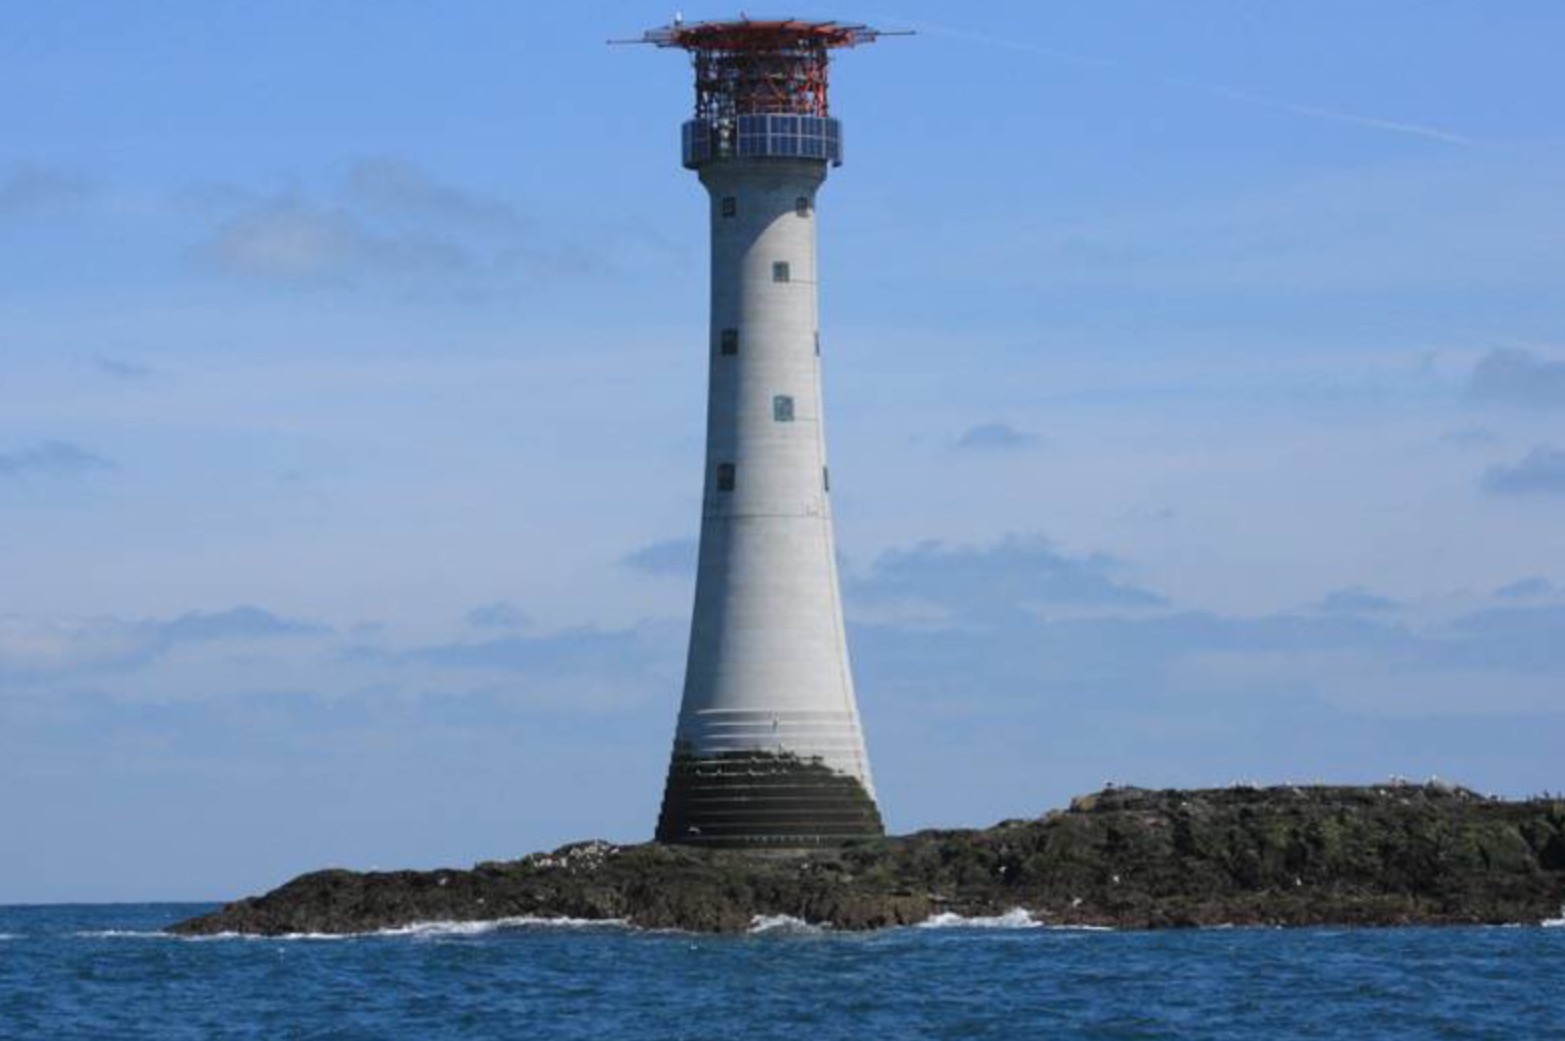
(1392, 854)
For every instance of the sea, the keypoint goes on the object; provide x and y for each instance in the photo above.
(107, 971)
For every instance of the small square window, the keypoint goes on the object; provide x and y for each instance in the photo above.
(801, 206)
(728, 342)
(780, 272)
(725, 477)
(826, 478)
(782, 408)
(730, 206)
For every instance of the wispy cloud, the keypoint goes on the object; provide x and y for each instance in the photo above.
(294, 241)
(394, 187)
(51, 459)
(1540, 472)
(995, 437)
(1303, 110)
(388, 222)
(30, 189)
(1471, 437)
(1355, 600)
(1017, 573)
(89, 646)
(666, 557)
(1527, 588)
(121, 368)
(1512, 376)
(1429, 133)
(501, 614)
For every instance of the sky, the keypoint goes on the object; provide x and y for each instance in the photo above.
(1196, 376)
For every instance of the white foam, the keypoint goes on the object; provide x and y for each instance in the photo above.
(496, 924)
(158, 934)
(434, 928)
(1015, 918)
(785, 923)
(1553, 923)
(9, 936)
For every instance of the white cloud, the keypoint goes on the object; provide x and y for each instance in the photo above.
(43, 648)
(293, 241)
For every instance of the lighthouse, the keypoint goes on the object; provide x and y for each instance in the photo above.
(768, 751)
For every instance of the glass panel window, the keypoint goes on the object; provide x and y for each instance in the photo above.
(780, 272)
(728, 341)
(725, 477)
(782, 408)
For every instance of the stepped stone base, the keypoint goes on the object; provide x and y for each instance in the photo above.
(763, 800)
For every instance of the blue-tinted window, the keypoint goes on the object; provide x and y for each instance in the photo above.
(780, 272)
(782, 409)
(728, 341)
(725, 477)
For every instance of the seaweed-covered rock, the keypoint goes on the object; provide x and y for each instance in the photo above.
(1127, 857)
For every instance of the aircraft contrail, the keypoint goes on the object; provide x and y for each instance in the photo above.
(1244, 97)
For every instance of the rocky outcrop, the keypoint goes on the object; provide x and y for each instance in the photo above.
(1384, 855)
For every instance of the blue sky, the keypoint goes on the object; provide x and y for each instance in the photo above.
(1196, 377)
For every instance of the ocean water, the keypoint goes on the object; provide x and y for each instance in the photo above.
(105, 972)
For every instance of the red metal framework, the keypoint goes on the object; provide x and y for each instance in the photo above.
(746, 66)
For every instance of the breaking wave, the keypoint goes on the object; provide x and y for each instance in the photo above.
(415, 929)
(782, 923)
(1553, 923)
(1015, 918)
(497, 925)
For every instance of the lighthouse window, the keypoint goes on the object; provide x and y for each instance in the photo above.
(728, 342)
(730, 206)
(801, 206)
(725, 477)
(817, 343)
(782, 408)
(780, 271)
(826, 478)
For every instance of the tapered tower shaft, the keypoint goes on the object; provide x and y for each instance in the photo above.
(769, 750)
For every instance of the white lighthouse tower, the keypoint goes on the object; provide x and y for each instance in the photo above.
(769, 751)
